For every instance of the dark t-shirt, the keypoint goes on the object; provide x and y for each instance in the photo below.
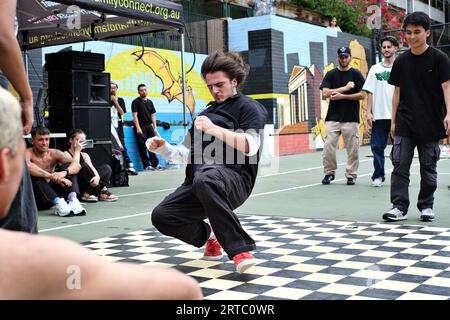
(121, 104)
(144, 109)
(421, 110)
(238, 113)
(343, 110)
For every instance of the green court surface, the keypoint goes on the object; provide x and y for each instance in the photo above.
(288, 186)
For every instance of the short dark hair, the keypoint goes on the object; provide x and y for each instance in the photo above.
(417, 18)
(141, 85)
(75, 132)
(231, 63)
(42, 131)
(393, 40)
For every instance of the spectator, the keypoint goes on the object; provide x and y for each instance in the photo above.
(92, 181)
(333, 24)
(52, 187)
(145, 126)
(343, 85)
(23, 215)
(41, 267)
(118, 109)
(420, 117)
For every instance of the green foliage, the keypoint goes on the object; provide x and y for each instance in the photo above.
(348, 16)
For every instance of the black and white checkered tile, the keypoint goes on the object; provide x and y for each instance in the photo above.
(306, 259)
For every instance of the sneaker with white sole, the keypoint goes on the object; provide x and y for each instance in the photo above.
(62, 209)
(427, 215)
(394, 214)
(213, 250)
(377, 182)
(243, 261)
(77, 208)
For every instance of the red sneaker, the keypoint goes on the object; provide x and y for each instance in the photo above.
(244, 261)
(213, 250)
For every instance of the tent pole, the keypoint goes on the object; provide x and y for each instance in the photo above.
(183, 76)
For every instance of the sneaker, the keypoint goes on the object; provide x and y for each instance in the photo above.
(427, 215)
(328, 178)
(132, 172)
(62, 209)
(377, 182)
(350, 181)
(77, 208)
(243, 261)
(394, 214)
(149, 168)
(213, 250)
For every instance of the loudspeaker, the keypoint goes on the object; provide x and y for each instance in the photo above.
(76, 60)
(95, 121)
(101, 153)
(76, 87)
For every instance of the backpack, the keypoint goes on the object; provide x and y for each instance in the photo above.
(119, 176)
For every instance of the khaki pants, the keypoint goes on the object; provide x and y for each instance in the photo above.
(350, 133)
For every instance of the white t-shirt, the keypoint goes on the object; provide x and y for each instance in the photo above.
(114, 117)
(382, 92)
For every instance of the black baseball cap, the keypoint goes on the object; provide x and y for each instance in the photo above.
(344, 51)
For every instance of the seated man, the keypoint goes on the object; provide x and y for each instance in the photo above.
(42, 267)
(51, 187)
(91, 180)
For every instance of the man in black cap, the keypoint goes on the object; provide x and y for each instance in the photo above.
(343, 86)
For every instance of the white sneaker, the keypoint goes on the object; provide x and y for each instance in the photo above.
(377, 182)
(77, 208)
(62, 209)
(394, 214)
(427, 215)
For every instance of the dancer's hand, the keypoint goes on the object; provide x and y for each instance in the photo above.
(154, 143)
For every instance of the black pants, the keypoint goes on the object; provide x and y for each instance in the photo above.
(401, 155)
(146, 157)
(121, 135)
(86, 174)
(45, 192)
(213, 194)
(23, 214)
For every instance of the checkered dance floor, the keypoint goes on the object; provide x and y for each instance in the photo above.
(306, 259)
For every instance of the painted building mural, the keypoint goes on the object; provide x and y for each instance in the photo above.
(288, 61)
(295, 56)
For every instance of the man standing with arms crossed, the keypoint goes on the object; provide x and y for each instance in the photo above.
(379, 104)
(343, 85)
(420, 117)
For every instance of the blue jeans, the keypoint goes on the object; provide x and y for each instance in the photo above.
(378, 142)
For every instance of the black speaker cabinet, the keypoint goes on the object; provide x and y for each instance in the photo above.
(101, 153)
(95, 121)
(75, 60)
(76, 87)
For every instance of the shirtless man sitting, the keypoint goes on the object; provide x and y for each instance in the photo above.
(51, 187)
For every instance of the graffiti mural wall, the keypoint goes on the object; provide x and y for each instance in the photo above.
(288, 61)
(159, 69)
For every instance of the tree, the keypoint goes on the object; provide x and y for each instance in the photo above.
(353, 15)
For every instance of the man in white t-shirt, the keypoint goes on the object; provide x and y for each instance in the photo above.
(379, 105)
